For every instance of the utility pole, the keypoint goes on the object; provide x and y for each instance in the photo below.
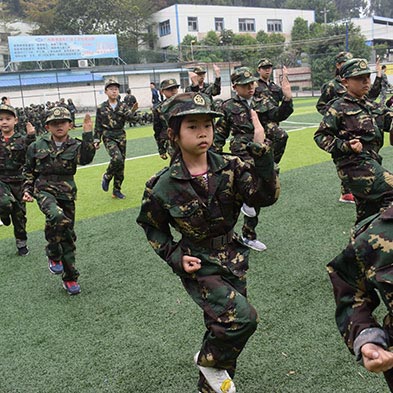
(324, 12)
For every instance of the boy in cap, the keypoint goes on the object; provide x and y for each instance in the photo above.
(111, 117)
(237, 123)
(352, 132)
(169, 88)
(334, 89)
(273, 104)
(200, 196)
(198, 83)
(51, 164)
(13, 147)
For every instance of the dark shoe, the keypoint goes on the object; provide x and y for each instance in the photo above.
(55, 267)
(23, 251)
(105, 183)
(6, 220)
(72, 287)
(118, 195)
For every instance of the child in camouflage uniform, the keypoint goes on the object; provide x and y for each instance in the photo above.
(362, 275)
(111, 116)
(352, 132)
(13, 147)
(335, 89)
(51, 164)
(237, 123)
(198, 84)
(169, 88)
(200, 196)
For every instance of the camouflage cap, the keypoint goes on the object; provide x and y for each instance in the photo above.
(168, 84)
(188, 104)
(354, 67)
(110, 82)
(199, 70)
(242, 76)
(8, 108)
(265, 62)
(342, 57)
(58, 113)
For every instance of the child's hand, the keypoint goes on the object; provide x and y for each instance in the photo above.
(87, 123)
(259, 131)
(217, 71)
(194, 78)
(30, 128)
(135, 107)
(376, 359)
(27, 197)
(191, 264)
(356, 145)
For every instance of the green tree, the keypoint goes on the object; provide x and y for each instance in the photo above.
(381, 8)
(328, 40)
(299, 35)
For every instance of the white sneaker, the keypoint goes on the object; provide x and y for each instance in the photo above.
(219, 380)
(1, 223)
(254, 244)
(248, 210)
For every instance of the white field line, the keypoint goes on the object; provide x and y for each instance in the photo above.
(155, 154)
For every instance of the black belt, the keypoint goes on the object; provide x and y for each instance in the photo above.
(56, 177)
(213, 242)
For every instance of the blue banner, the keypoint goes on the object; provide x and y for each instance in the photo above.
(62, 47)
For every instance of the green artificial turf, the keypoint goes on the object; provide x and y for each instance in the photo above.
(133, 329)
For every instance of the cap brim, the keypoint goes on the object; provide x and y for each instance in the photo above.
(247, 81)
(169, 87)
(198, 112)
(360, 73)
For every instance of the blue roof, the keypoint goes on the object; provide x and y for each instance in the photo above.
(32, 79)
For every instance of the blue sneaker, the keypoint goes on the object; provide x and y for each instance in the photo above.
(72, 287)
(118, 195)
(55, 267)
(105, 183)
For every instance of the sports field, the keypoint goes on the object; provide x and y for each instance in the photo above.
(133, 329)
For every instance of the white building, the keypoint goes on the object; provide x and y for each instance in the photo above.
(376, 29)
(174, 23)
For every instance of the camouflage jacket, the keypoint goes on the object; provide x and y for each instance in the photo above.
(269, 90)
(173, 198)
(269, 112)
(13, 156)
(160, 128)
(236, 123)
(335, 89)
(349, 118)
(110, 122)
(211, 89)
(361, 274)
(50, 169)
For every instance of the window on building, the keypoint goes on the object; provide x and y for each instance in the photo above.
(274, 25)
(164, 28)
(219, 24)
(192, 23)
(246, 24)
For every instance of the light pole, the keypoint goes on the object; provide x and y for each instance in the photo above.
(192, 49)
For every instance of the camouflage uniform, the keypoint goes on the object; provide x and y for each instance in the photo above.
(237, 123)
(211, 89)
(351, 118)
(334, 88)
(270, 89)
(205, 214)
(12, 158)
(160, 125)
(358, 275)
(109, 126)
(49, 173)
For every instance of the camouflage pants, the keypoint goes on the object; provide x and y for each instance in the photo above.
(116, 149)
(249, 225)
(11, 204)
(59, 232)
(370, 183)
(230, 320)
(279, 138)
